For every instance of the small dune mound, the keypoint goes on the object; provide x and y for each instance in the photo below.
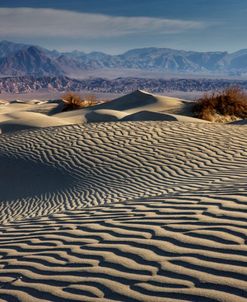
(104, 115)
(140, 100)
(149, 116)
(158, 116)
(16, 121)
(225, 106)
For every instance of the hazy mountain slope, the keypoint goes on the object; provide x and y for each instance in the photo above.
(21, 59)
(7, 48)
(31, 60)
(173, 60)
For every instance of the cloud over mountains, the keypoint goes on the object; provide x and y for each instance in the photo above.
(43, 22)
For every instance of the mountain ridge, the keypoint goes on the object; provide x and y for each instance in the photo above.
(27, 84)
(18, 59)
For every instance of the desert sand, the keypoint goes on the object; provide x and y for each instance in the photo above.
(137, 106)
(129, 201)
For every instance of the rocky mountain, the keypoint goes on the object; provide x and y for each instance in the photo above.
(29, 60)
(7, 48)
(20, 59)
(172, 60)
(26, 84)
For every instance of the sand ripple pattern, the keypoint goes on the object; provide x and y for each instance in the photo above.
(80, 166)
(188, 248)
(148, 211)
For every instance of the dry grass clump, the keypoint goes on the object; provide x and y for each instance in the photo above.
(225, 106)
(74, 101)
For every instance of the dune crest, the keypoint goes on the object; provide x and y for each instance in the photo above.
(136, 106)
(141, 100)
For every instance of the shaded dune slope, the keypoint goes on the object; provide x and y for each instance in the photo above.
(104, 115)
(111, 162)
(139, 211)
(160, 116)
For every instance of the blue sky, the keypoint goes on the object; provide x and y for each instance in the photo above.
(114, 26)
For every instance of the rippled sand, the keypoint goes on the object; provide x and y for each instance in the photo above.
(125, 211)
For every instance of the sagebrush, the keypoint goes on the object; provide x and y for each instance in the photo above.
(230, 104)
(75, 101)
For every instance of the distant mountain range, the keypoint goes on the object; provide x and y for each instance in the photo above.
(24, 60)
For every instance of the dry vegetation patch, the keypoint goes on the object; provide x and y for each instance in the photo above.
(224, 106)
(75, 101)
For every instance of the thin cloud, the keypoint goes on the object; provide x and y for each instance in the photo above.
(30, 22)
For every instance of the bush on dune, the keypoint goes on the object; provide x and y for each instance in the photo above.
(227, 105)
(74, 101)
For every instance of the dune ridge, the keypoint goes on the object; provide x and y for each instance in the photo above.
(136, 106)
(137, 211)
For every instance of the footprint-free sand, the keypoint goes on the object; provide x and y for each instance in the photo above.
(124, 211)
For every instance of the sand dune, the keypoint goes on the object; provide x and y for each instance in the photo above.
(142, 100)
(21, 116)
(29, 120)
(136, 106)
(108, 115)
(127, 211)
(159, 116)
(104, 115)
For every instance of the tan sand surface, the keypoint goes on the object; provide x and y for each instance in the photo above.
(141, 100)
(21, 116)
(126, 211)
(136, 106)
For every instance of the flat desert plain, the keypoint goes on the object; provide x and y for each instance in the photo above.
(132, 200)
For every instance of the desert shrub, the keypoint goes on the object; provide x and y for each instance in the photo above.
(75, 101)
(229, 104)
